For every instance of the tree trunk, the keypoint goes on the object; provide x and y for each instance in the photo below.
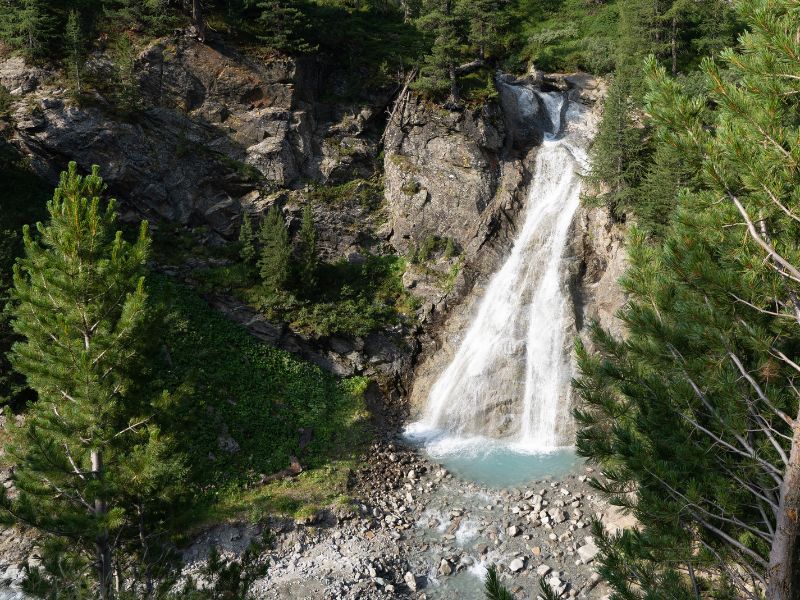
(453, 83)
(197, 18)
(674, 45)
(781, 579)
(102, 544)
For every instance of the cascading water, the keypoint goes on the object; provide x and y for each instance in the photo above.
(509, 379)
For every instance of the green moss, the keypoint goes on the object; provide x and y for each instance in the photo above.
(410, 188)
(404, 163)
(431, 247)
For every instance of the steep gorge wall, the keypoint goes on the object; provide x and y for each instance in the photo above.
(215, 132)
(465, 176)
(220, 133)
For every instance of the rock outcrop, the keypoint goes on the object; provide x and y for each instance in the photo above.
(465, 176)
(215, 126)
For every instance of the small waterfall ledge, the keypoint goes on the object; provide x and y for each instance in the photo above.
(507, 387)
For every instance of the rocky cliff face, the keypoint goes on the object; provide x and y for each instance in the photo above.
(465, 176)
(216, 130)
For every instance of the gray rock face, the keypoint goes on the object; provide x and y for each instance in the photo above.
(600, 246)
(596, 258)
(215, 126)
(441, 170)
(19, 78)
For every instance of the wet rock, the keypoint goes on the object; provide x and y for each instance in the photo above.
(445, 567)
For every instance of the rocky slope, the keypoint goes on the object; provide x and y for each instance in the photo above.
(215, 131)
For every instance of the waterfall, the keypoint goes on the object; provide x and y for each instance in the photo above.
(510, 376)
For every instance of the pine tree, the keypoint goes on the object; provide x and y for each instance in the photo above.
(126, 93)
(487, 21)
(275, 253)
(438, 70)
(91, 466)
(247, 249)
(620, 150)
(154, 15)
(75, 52)
(283, 25)
(27, 25)
(308, 261)
(11, 383)
(695, 415)
(493, 589)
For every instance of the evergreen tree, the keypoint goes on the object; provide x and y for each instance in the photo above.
(153, 15)
(308, 261)
(91, 467)
(283, 25)
(493, 589)
(75, 52)
(11, 383)
(695, 415)
(27, 25)
(276, 252)
(247, 249)
(619, 151)
(126, 92)
(438, 71)
(487, 23)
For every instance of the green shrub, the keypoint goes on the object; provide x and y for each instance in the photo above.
(5, 101)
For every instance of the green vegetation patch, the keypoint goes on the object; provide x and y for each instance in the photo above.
(244, 404)
(368, 193)
(566, 35)
(350, 298)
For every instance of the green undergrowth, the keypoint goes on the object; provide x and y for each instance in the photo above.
(349, 298)
(368, 193)
(299, 497)
(230, 386)
(566, 35)
(23, 195)
(174, 244)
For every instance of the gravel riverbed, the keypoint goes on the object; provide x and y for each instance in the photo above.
(414, 530)
(417, 531)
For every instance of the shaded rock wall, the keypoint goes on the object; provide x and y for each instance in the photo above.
(214, 127)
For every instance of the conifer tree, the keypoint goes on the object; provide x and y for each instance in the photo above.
(27, 25)
(695, 415)
(126, 85)
(275, 254)
(90, 464)
(283, 26)
(247, 249)
(308, 261)
(10, 382)
(438, 70)
(493, 589)
(487, 21)
(75, 52)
